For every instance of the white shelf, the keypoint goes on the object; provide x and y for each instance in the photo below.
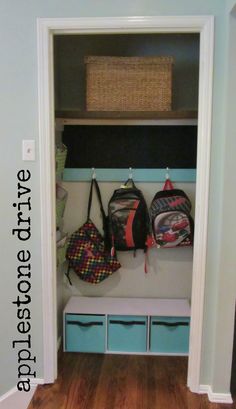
(123, 121)
(128, 306)
(175, 118)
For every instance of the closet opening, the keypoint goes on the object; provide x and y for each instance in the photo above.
(176, 138)
(142, 144)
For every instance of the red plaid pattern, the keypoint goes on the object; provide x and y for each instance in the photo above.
(87, 255)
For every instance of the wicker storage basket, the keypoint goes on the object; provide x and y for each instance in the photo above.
(128, 83)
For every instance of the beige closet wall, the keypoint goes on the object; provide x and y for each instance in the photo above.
(169, 270)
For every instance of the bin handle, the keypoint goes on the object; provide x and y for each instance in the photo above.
(171, 324)
(127, 322)
(84, 324)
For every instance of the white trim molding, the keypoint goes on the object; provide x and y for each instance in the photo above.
(204, 25)
(34, 383)
(47, 197)
(37, 381)
(17, 399)
(216, 396)
(201, 200)
(8, 394)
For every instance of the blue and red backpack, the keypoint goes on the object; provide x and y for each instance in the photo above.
(172, 224)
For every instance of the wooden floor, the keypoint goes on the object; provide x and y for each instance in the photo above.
(93, 381)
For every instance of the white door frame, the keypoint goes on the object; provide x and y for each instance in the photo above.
(204, 25)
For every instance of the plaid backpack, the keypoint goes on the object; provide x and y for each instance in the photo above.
(88, 252)
(172, 224)
(128, 218)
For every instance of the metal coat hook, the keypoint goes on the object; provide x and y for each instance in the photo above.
(130, 173)
(167, 173)
(93, 174)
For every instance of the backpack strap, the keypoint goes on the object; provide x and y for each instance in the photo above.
(168, 185)
(95, 183)
(67, 273)
(129, 184)
(104, 217)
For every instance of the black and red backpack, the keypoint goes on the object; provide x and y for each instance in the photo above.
(172, 224)
(129, 222)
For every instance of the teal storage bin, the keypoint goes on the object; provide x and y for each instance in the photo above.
(85, 333)
(127, 333)
(169, 335)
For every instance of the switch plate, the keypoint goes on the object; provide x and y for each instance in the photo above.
(28, 149)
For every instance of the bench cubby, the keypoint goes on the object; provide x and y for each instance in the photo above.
(169, 335)
(127, 333)
(127, 325)
(85, 333)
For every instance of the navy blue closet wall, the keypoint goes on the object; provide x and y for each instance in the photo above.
(130, 146)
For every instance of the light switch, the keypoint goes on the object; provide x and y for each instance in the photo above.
(28, 149)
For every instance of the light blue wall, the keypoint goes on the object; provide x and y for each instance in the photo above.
(19, 120)
(227, 283)
(220, 280)
(230, 4)
(215, 205)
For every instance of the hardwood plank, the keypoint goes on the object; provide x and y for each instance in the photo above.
(97, 381)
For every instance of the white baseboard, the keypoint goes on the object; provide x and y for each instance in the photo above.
(37, 381)
(15, 399)
(215, 396)
(7, 394)
(203, 388)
